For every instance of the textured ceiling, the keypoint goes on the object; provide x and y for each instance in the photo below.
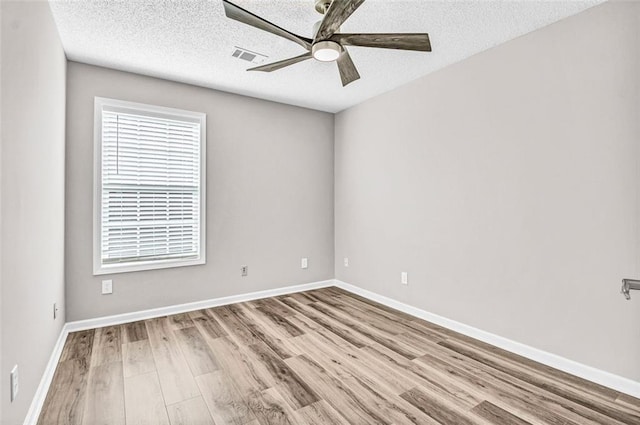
(193, 42)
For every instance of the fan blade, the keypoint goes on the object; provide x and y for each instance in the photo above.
(241, 15)
(338, 12)
(348, 71)
(281, 64)
(418, 42)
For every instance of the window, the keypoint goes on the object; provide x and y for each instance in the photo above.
(149, 187)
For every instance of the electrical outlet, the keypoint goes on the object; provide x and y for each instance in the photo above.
(304, 263)
(244, 270)
(346, 261)
(14, 383)
(55, 311)
(107, 287)
(404, 278)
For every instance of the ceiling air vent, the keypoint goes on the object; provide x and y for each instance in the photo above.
(248, 55)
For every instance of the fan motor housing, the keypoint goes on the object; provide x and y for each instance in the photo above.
(322, 6)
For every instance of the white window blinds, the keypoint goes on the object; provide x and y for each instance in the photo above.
(151, 188)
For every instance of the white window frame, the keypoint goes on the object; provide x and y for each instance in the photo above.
(157, 111)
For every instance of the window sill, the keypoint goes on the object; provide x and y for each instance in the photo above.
(145, 265)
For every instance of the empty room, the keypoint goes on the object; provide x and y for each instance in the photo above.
(319, 212)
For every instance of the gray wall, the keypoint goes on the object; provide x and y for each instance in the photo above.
(507, 187)
(31, 197)
(269, 196)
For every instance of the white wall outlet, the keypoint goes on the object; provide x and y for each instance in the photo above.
(346, 261)
(404, 278)
(14, 383)
(244, 270)
(304, 263)
(55, 311)
(107, 287)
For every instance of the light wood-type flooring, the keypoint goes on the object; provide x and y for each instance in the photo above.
(318, 357)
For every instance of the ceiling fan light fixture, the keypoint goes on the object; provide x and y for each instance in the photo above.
(326, 44)
(326, 51)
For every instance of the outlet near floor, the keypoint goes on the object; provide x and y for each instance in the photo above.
(304, 263)
(404, 278)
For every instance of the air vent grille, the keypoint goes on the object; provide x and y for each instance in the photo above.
(248, 55)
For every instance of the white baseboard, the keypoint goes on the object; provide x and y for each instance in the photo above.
(117, 319)
(45, 381)
(618, 383)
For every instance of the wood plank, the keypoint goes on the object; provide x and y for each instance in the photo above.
(304, 323)
(312, 294)
(412, 324)
(437, 408)
(353, 360)
(190, 412)
(280, 321)
(274, 337)
(333, 391)
(134, 331)
(248, 332)
(65, 401)
(628, 401)
(176, 379)
(195, 314)
(371, 385)
(388, 341)
(137, 358)
(436, 383)
(227, 317)
(320, 413)
(271, 409)
(78, 346)
(180, 321)
(205, 321)
(272, 304)
(143, 400)
(257, 328)
(196, 351)
(496, 415)
(382, 324)
(302, 297)
(105, 395)
(331, 325)
(292, 387)
(419, 342)
(225, 403)
(107, 346)
(246, 373)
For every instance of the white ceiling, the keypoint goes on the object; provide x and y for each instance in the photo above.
(192, 41)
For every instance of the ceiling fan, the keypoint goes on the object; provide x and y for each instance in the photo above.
(328, 45)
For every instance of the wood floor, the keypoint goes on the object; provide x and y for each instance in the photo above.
(319, 357)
